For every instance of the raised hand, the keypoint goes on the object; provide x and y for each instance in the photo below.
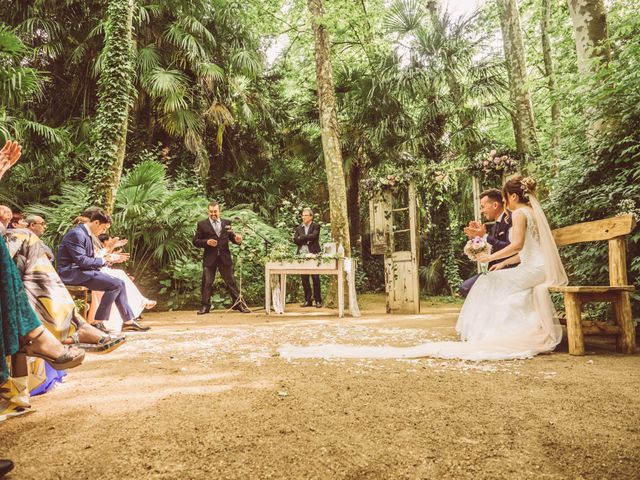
(238, 238)
(9, 155)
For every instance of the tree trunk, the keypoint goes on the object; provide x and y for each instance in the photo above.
(116, 95)
(329, 128)
(589, 19)
(353, 206)
(523, 119)
(550, 72)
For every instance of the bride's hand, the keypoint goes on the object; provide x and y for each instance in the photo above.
(497, 266)
(483, 258)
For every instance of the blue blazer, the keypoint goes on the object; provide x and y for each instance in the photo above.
(498, 237)
(76, 263)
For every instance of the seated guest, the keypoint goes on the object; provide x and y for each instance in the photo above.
(36, 224)
(17, 221)
(50, 298)
(5, 217)
(21, 332)
(77, 265)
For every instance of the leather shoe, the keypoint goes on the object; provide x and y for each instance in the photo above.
(203, 310)
(242, 309)
(318, 304)
(5, 467)
(307, 304)
(100, 326)
(134, 326)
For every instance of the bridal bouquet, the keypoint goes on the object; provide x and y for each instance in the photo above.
(477, 246)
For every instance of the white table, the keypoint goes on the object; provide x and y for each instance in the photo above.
(304, 267)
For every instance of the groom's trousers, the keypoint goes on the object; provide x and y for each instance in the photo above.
(115, 292)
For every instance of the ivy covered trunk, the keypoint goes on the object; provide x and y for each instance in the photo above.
(329, 128)
(522, 114)
(589, 19)
(115, 98)
(445, 248)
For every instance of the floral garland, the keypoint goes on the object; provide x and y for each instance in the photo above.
(495, 163)
(380, 181)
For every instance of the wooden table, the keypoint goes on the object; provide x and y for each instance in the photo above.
(304, 267)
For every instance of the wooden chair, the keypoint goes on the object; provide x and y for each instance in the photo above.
(615, 230)
(81, 293)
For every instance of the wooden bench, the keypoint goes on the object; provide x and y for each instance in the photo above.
(81, 293)
(615, 230)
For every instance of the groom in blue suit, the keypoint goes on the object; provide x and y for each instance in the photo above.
(492, 208)
(77, 265)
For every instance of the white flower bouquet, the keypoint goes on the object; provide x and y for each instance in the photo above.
(475, 247)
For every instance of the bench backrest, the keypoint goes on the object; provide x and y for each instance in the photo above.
(614, 229)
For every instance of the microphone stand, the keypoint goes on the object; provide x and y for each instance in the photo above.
(267, 243)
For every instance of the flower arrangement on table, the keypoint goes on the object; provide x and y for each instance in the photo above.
(283, 253)
(475, 247)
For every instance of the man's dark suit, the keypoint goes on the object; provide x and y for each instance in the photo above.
(78, 266)
(312, 241)
(216, 258)
(498, 238)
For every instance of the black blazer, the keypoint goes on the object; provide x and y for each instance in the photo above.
(311, 240)
(204, 232)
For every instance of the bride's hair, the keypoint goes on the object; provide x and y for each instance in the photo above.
(521, 186)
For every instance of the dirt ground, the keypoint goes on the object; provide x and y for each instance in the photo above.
(206, 397)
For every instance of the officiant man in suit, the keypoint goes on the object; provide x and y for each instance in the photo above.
(307, 238)
(213, 234)
(492, 208)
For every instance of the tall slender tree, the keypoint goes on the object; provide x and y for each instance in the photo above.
(329, 127)
(550, 73)
(589, 18)
(522, 114)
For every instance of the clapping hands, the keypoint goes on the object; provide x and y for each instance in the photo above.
(117, 257)
(114, 242)
(9, 155)
(475, 229)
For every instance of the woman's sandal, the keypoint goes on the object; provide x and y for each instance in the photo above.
(106, 343)
(72, 357)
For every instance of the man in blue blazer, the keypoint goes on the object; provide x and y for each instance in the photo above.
(77, 265)
(492, 208)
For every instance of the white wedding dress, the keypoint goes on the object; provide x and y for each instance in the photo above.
(508, 313)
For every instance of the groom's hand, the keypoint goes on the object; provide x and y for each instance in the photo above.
(475, 229)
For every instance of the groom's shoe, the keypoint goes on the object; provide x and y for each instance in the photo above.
(319, 304)
(5, 467)
(307, 303)
(203, 310)
(134, 326)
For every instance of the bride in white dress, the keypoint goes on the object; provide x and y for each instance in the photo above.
(508, 312)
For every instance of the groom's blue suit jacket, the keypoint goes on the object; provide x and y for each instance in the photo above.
(76, 263)
(498, 238)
